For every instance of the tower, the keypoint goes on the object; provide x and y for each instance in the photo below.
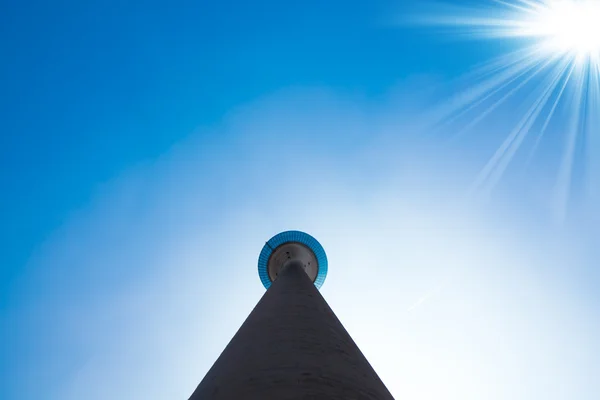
(291, 346)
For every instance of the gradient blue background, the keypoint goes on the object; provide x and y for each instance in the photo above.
(103, 85)
(139, 140)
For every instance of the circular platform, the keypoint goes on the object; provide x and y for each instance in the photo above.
(292, 246)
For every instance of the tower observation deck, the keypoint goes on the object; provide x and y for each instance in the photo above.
(291, 346)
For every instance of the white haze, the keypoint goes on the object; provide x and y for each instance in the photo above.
(138, 293)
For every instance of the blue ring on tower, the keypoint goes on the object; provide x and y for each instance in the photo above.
(290, 237)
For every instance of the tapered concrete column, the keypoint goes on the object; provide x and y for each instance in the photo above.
(291, 346)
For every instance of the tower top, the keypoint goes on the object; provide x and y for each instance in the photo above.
(292, 246)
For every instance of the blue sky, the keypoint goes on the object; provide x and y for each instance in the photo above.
(148, 149)
(105, 85)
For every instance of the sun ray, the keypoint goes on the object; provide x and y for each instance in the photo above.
(496, 166)
(592, 136)
(494, 89)
(558, 45)
(504, 98)
(563, 183)
(550, 114)
(466, 99)
(525, 128)
(505, 61)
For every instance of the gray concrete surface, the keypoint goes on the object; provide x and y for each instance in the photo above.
(291, 347)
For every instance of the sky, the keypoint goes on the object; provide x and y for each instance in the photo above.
(149, 149)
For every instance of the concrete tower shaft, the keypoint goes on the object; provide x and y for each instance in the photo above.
(291, 347)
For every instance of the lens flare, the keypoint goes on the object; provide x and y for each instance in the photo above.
(566, 26)
(551, 80)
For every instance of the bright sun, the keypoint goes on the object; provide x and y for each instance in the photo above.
(552, 75)
(565, 26)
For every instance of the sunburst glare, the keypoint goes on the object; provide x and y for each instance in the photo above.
(552, 76)
(565, 27)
